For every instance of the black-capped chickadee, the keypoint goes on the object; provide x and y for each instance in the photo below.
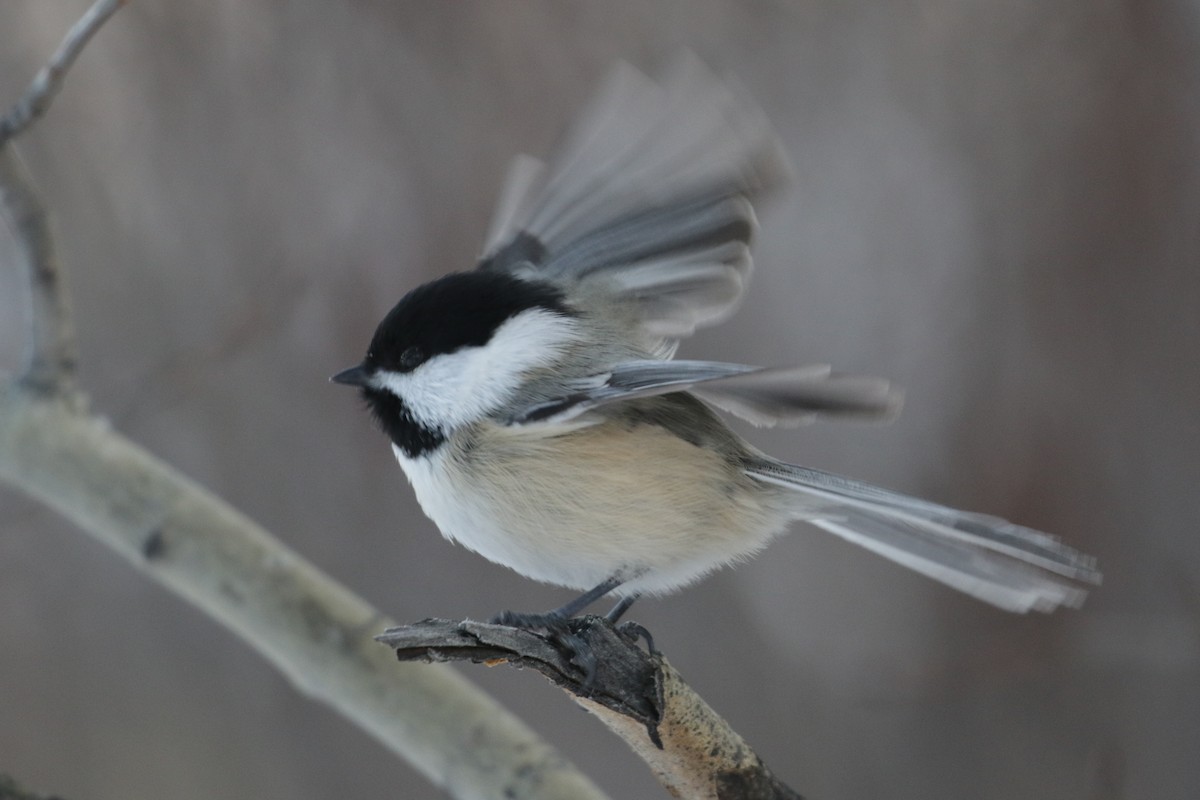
(536, 408)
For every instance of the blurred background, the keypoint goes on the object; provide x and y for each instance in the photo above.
(996, 204)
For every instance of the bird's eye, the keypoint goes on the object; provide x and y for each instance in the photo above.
(411, 358)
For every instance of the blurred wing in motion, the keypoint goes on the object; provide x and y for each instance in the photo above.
(785, 396)
(649, 198)
(1011, 567)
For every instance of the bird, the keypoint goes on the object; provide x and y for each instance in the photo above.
(536, 406)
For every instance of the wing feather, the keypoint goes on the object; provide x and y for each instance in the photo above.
(648, 199)
(764, 396)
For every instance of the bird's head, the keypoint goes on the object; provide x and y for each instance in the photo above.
(457, 349)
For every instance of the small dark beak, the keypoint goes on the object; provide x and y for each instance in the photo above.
(355, 376)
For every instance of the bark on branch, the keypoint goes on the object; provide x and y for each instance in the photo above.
(692, 750)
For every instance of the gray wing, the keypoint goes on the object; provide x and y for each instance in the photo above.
(784, 396)
(1007, 565)
(649, 199)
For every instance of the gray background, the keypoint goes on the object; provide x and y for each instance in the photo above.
(996, 204)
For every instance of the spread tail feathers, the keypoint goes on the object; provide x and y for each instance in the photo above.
(1014, 568)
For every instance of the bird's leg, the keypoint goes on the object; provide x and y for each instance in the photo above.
(555, 622)
(630, 630)
(555, 618)
(620, 608)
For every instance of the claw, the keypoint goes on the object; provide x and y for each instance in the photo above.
(559, 629)
(634, 631)
(582, 658)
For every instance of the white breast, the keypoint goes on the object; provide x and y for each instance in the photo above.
(576, 509)
(460, 514)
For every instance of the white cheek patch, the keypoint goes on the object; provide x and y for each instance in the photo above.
(457, 388)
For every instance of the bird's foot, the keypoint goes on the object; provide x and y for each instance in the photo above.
(558, 626)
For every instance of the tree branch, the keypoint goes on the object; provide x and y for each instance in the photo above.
(692, 750)
(48, 81)
(50, 359)
(315, 631)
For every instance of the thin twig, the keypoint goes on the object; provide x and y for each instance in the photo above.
(50, 355)
(48, 81)
(50, 350)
